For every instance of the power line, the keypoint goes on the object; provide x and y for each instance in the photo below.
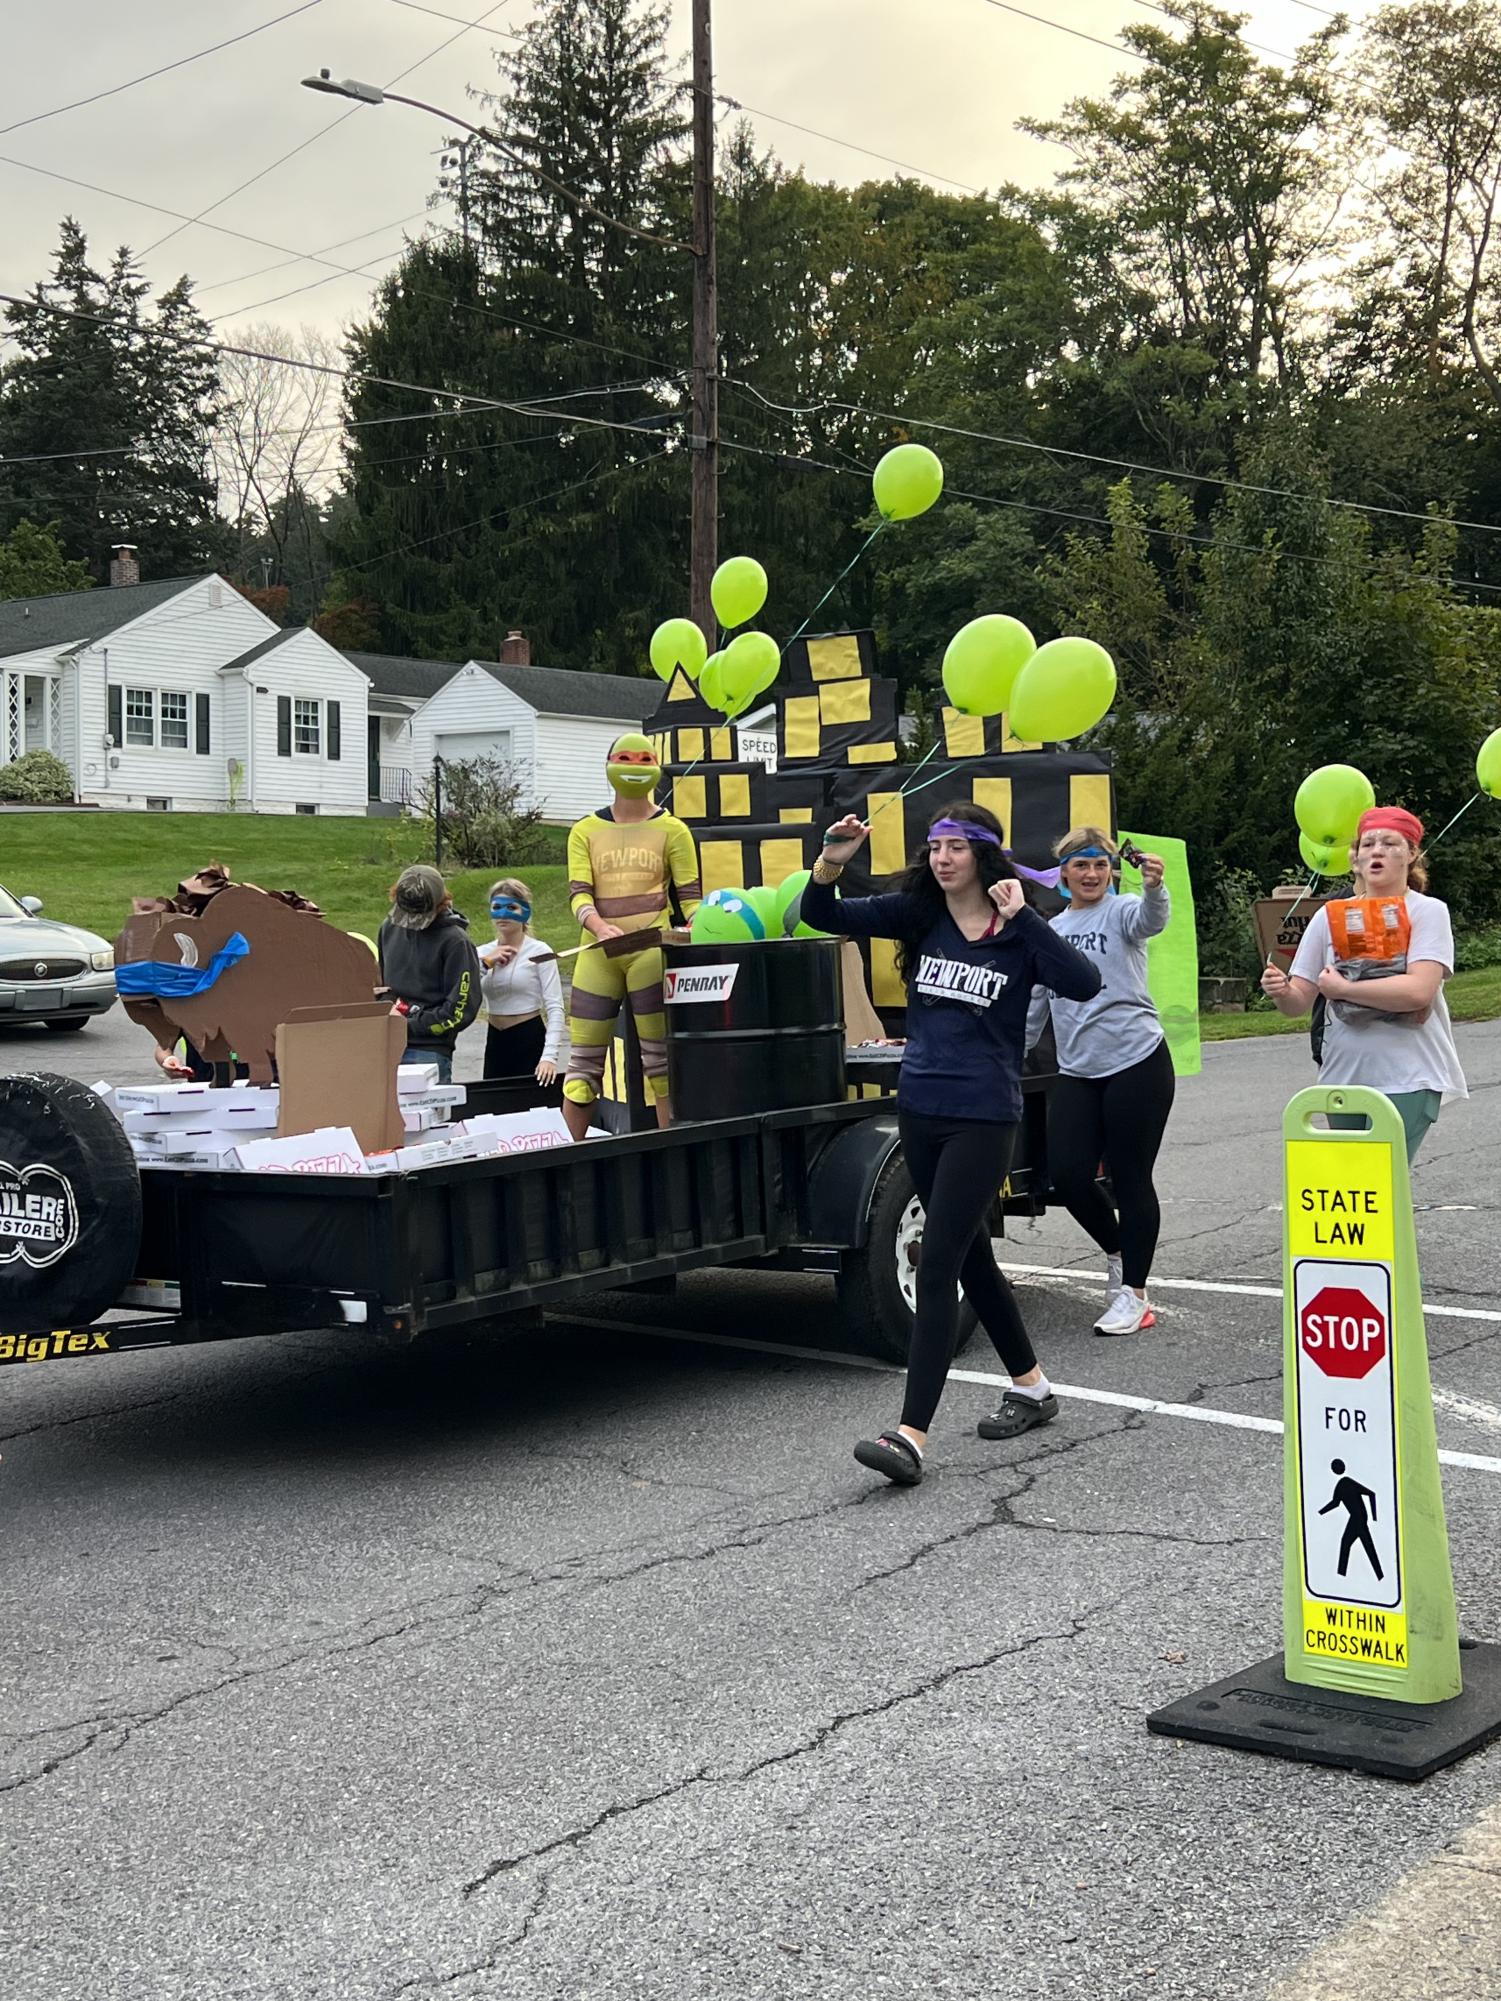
(312, 140)
(1043, 21)
(312, 285)
(477, 26)
(78, 103)
(906, 166)
(298, 257)
(1097, 458)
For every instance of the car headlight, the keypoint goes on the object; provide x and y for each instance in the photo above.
(102, 962)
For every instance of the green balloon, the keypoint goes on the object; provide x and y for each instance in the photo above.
(726, 917)
(1064, 689)
(710, 684)
(789, 907)
(907, 481)
(751, 664)
(1331, 860)
(1330, 802)
(737, 590)
(982, 661)
(1488, 765)
(764, 902)
(678, 642)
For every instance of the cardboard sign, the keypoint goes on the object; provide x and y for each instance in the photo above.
(338, 1068)
(1280, 925)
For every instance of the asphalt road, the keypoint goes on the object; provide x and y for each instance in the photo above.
(590, 1665)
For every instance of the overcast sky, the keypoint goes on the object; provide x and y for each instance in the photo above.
(937, 84)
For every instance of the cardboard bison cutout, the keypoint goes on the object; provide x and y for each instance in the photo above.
(294, 959)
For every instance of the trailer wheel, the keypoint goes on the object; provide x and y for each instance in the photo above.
(877, 1286)
(70, 1204)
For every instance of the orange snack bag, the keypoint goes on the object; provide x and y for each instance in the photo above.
(1370, 928)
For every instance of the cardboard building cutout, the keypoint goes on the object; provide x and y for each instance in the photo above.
(295, 959)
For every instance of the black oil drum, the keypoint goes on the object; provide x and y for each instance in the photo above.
(754, 1027)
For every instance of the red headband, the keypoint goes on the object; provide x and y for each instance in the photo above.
(1396, 819)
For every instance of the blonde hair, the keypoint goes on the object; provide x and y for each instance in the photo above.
(1417, 869)
(1085, 837)
(511, 885)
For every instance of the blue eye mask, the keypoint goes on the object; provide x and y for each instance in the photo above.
(506, 910)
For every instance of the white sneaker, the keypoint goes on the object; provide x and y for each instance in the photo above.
(1115, 1278)
(1126, 1314)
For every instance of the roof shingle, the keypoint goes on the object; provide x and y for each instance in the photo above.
(71, 618)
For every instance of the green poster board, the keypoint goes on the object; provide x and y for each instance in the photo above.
(1173, 957)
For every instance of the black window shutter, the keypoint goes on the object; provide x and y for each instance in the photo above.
(117, 715)
(202, 702)
(284, 726)
(333, 731)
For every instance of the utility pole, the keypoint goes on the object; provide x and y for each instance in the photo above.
(704, 547)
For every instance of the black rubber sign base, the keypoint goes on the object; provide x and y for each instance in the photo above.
(1259, 1709)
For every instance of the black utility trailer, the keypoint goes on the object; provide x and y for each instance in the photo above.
(170, 1256)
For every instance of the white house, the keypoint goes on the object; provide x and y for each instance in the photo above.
(552, 725)
(179, 695)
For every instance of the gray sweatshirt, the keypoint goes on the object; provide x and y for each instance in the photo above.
(1119, 1027)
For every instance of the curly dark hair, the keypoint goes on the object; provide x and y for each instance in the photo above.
(919, 882)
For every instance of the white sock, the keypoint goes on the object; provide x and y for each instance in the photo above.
(1038, 1390)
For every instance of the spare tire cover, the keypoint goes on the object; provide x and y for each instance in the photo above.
(70, 1204)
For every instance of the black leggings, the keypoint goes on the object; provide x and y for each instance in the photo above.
(958, 1166)
(515, 1051)
(1118, 1121)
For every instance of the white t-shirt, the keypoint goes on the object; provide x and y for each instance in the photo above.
(1391, 1055)
(530, 984)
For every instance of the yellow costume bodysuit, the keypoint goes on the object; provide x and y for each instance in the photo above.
(626, 874)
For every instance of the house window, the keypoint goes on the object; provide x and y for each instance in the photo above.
(140, 717)
(307, 735)
(158, 805)
(174, 720)
(309, 811)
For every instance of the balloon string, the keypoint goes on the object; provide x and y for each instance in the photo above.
(928, 755)
(879, 527)
(1454, 822)
(1301, 898)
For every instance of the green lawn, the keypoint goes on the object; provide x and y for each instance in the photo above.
(1472, 997)
(86, 867)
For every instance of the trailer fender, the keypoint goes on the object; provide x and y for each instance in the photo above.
(842, 1181)
(70, 1205)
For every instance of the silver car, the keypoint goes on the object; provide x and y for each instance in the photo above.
(49, 971)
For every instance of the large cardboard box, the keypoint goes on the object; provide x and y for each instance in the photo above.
(1281, 922)
(337, 1067)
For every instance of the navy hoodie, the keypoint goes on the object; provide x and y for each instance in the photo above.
(967, 1004)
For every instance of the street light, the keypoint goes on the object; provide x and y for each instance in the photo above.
(704, 443)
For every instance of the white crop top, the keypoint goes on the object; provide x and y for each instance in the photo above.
(528, 985)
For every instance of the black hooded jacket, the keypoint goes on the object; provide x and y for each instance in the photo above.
(437, 972)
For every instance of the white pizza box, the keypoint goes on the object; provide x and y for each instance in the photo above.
(187, 1097)
(330, 1150)
(208, 1136)
(522, 1132)
(227, 1162)
(448, 1096)
(424, 1118)
(420, 1080)
(258, 1113)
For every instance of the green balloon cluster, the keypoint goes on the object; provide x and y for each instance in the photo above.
(906, 482)
(982, 661)
(727, 917)
(750, 663)
(1330, 802)
(737, 591)
(1488, 765)
(678, 642)
(1063, 690)
(788, 907)
(1331, 860)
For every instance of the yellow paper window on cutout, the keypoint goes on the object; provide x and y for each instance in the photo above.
(790, 814)
(779, 859)
(1088, 800)
(995, 795)
(722, 864)
(690, 744)
(719, 746)
(688, 798)
(801, 734)
(680, 688)
(872, 753)
(845, 702)
(963, 736)
(734, 795)
(888, 839)
(886, 988)
(836, 659)
(1012, 742)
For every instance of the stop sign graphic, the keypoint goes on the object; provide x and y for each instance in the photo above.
(1343, 1332)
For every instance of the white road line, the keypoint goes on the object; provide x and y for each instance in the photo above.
(1089, 1279)
(1469, 1410)
(1235, 1420)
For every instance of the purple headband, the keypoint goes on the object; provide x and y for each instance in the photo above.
(967, 830)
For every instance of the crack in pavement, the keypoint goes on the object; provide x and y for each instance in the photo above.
(430, 1983)
(704, 1775)
(90, 1416)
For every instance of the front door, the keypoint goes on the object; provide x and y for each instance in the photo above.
(372, 738)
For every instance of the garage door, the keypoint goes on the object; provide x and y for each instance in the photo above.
(459, 746)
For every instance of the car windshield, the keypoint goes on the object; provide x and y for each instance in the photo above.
(9, 907)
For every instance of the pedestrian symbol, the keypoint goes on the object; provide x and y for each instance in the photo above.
(1352, 1497)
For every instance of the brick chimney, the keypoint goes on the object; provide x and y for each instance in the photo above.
(123, 567)
(515, 650)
